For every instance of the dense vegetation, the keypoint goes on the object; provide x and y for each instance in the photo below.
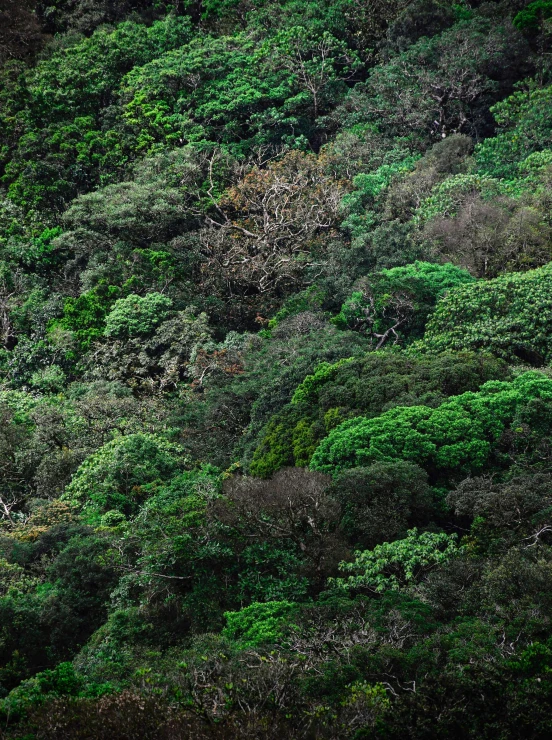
(275, 385)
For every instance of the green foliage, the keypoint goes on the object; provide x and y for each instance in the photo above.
(368, 188)
(262, 378)
(457, 437)
(381, 501)
(59, 613)
(132, 234)
(259, 623)
(490, 503)
(123, 473)
(491, 225)
(276, 448)
(434, 97)
(45, 686)
(63, 144)
(49, 380)
(395, 304)
(310, 387)
(427, 281)
(174, 176)
(524, 127)
(400, 564)
(277, 90)
(367, 385)
(310, 299)
(447, 197)
(40, 254)
(530, 18)
(509, 316)
(136, 316)
(85, 316)
(146, 347)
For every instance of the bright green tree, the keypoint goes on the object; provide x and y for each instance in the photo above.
(123, 473)
(395, 565)
(510, 316)
(457, 437)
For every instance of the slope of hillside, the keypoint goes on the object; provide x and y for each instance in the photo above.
(275, 385)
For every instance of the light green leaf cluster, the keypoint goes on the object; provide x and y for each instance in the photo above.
(260, 622)
(136, 315)
(307, 390)
(455, 438)
(510, 316)
(392, 566)
(123, 474)
(21, 404)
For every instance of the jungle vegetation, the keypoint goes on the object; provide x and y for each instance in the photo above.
(275, 369)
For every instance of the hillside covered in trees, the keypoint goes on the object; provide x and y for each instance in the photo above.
(275, 369)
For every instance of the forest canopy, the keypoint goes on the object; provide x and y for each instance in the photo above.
(275, 369)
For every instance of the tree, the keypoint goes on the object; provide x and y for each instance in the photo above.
(505, 514)
(523, 128)
(380, 502)
(458, 436)
(292, 506)
(184, 96)
(394, 305)
(443, 85)
(400, 564)
(491, 237)
(84, 16)
(146, 347)
(122, 474)
(134, 232)
(320, 64)
(259, 623)
(64, 144)
(365, 385)
(136, 316)
(508, 316)
(266, 233)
